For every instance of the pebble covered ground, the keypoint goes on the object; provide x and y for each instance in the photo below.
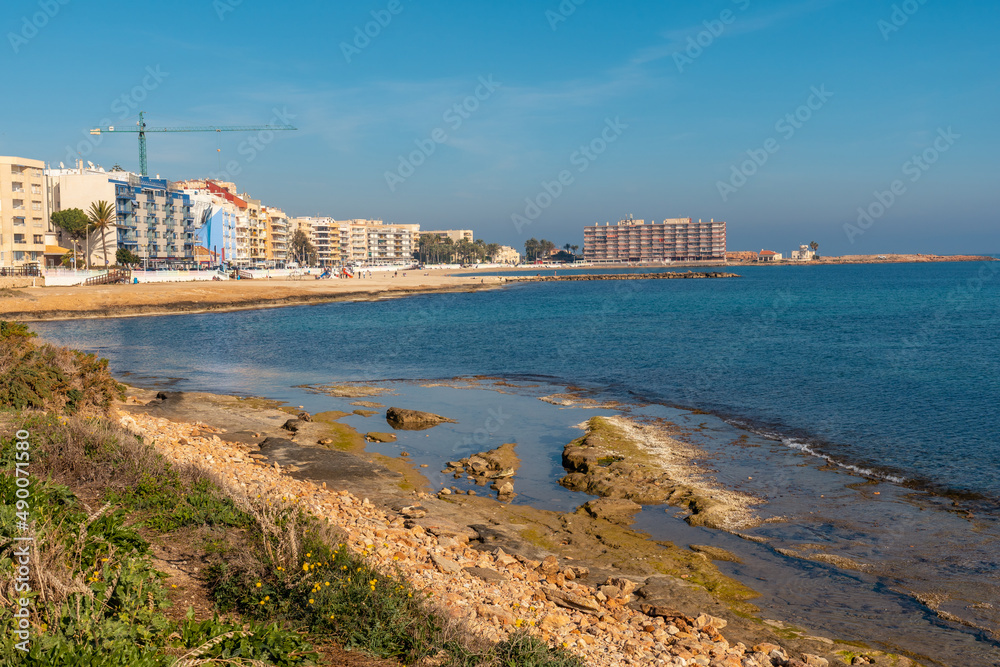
(494, 593)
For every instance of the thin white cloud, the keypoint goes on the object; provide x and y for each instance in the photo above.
(746, 23)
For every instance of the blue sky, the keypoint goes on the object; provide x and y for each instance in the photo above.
(691, 98)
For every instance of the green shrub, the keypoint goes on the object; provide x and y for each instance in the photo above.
(519, 650)
(327, 589)
(46, 377)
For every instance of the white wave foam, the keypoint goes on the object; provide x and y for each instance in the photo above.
(803, 447)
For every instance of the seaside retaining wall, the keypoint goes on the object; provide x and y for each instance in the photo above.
(15, 282)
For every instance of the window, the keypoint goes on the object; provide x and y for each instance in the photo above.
(36, 206)
(36, 222)
(18, 238)
(19, 222)
(37, 173)
(18, 203)
(36, 189)
(17, 187)
(38, 239)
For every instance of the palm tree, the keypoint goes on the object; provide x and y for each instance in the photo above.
(814, 246)
(102, 215)
(531, 249)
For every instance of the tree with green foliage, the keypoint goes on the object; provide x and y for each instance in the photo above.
(102, 217)
(126, 257)
(76, 224)
(72, 259)
(73, 221)
(303, 251)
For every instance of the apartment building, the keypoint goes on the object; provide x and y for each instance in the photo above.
(278, 237)
(256, 231)
(155, 220)
(82, 187)
(388, 243)
(24, 211)
(675, 239)
(222, 223)
(358, 241)
(455, 235)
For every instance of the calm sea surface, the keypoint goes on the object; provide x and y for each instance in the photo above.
(886, 374)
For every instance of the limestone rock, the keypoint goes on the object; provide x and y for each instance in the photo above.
(571, 601)
(552, 622)
(402, 419)
(446, 565)
(486, 574)
(615, 510)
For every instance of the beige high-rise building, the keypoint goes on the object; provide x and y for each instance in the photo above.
(278, 236)
(386, 243)
(358, 241)
(455, 235)
(256, 231)
(24, 211)
(673, 239)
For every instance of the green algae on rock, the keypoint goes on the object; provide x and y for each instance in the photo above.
(622, 459)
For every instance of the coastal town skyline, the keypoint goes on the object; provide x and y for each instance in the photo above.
(863, 151)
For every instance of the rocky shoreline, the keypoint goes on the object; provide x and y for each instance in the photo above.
(579, 580)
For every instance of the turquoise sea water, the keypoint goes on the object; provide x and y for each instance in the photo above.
(890, 372)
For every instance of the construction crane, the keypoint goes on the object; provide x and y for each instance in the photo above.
(142, 130)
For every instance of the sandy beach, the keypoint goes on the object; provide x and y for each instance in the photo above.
(32, 304)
